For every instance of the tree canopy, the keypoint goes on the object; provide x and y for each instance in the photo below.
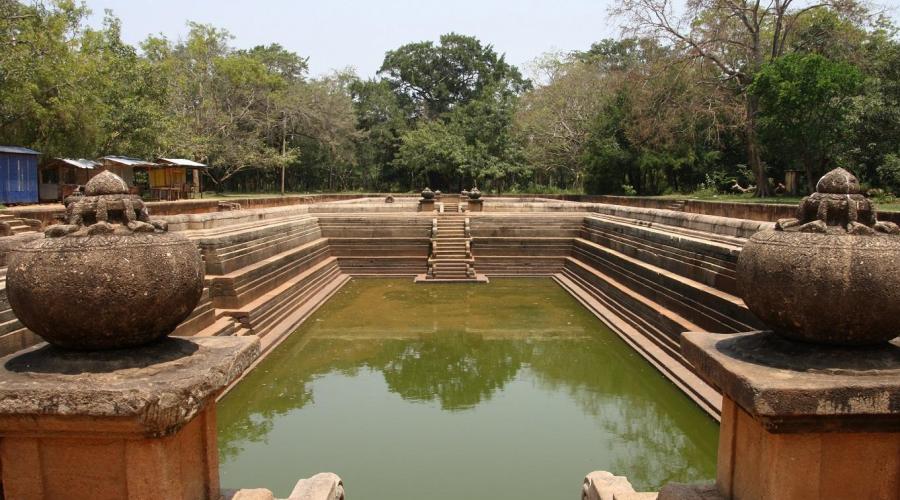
(715, 94)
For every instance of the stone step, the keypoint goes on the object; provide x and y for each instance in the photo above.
(289, 301)
(706, 306)
(251, 312)
(7, 314)
(17, 340)
(222, 326)
(241, 286)
(10, 325)
(675, 368)
(289, 323)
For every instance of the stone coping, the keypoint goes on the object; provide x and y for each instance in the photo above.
(794, 387)
(156, 388)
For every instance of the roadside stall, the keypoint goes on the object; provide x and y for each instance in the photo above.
(175, 179)
(60, 177)
(124, 167)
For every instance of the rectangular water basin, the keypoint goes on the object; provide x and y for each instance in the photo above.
(510, 390)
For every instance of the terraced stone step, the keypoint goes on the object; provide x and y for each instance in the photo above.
(712, 309)
(263, 307)
(710, 260)
(642, 340)
(287, 324)
(18, 339)
(228, 251)
(242, 286)
(662, 326)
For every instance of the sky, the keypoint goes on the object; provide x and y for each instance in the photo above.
(335, 34)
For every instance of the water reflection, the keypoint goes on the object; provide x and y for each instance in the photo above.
(556, 372)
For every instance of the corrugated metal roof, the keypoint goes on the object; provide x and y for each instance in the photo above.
(18, 150)
(79, 163)
(127, 161)
(181, 162)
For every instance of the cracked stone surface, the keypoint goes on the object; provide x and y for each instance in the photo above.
(795, 387)
(162, 386)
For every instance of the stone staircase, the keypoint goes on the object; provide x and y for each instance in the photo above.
(17, 225)
(451, 254)
(451, 204)
(676, 205)
(13, 334)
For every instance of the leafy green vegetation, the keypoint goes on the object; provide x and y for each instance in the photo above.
(728, 105)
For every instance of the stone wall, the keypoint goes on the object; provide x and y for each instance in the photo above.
(46, 213)
(378, 244)
(766, 212)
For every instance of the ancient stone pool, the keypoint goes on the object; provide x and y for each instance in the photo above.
(505, 390)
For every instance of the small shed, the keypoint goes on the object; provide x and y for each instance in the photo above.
(60, 177)
(175, 178)
(18, 175)
(124, 166)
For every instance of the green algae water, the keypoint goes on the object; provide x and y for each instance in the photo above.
(510, 390)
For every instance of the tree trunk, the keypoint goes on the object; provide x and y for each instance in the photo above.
(283, 149)
(809, 166)
(753, 160)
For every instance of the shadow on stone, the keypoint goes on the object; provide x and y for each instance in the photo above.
(767, 349)
(49, 359)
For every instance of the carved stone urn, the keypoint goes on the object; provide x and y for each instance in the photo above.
(830, 276)
(109, 277)
(427, 194)
(474, 194)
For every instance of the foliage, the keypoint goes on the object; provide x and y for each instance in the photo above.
(889, 172)
(805, 99)
(700, 97)
(437, 78)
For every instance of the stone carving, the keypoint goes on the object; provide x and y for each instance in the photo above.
(837, 205)
(474, 194)
(829, 276)
(90, 214)
(107, 278)
(428, 194)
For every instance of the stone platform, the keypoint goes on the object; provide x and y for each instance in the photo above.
(123, 424)
(423, 278)
(794, 387)
(802, 420)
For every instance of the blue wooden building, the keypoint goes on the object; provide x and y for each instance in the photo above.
(18, 175)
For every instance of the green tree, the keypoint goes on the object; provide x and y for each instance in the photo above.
(436, 78)
(42, 89)
(382, 117)
(736, 37)
(805, 99)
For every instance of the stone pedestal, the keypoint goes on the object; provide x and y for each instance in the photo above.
(126, 424)
(475, 205)
(800, 420)
(426, 205)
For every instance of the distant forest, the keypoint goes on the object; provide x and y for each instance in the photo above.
(702, 97)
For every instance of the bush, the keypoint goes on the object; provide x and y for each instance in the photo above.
(889, 172)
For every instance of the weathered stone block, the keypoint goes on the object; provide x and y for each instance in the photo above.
(128, 424)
